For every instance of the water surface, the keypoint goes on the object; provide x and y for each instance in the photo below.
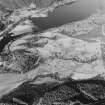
(68, 13)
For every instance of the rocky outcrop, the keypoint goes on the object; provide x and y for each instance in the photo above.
(57, 66)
